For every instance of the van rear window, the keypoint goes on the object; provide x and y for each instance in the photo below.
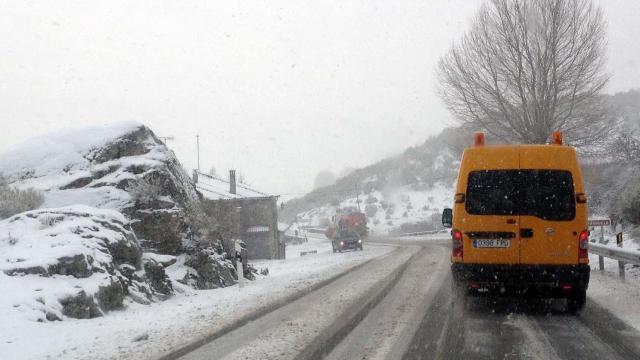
(547, 194)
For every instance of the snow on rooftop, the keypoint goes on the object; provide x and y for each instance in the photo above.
(215, 188)
(283, 226)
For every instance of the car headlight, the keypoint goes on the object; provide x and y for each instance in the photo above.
(359, 241)
(341, 243)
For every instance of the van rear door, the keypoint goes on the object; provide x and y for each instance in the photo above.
(549, 217)
(491, 230)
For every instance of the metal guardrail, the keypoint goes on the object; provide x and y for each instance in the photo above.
(622, 255)
(295, 239)
(314, 230)
(418, 233)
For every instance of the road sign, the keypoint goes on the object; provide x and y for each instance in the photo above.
(600, 222)
(619, 239)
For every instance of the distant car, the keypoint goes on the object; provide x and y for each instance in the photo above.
(346, 240)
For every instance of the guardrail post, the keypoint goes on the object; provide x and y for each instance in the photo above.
(601, 262)
(620, 263)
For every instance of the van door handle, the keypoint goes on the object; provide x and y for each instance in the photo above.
(511, 221)
(526, 233)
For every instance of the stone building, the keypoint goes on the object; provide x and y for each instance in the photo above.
(245, 213)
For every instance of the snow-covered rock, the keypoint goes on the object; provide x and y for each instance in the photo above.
(111, 193)
(68, 260)
(99, 166)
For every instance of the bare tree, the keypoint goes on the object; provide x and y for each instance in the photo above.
(529, 67)
(625, 146)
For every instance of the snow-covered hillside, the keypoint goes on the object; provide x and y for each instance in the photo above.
(405, 193)
(396, 210)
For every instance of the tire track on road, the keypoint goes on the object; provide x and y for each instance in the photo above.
(387, 330)
(291, 329)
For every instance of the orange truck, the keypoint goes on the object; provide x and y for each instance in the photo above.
(351, 221)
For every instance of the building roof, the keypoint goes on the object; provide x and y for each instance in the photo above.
(215, 188)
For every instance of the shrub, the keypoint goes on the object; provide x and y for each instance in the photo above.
(14, 201)
(145, 192)
(630, 202)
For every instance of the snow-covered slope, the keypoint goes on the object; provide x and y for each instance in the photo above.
(92, 165)
(401, 194)
(402, 209)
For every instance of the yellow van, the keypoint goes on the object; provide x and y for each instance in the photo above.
(519, 222)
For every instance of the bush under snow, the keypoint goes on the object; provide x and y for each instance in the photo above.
(14, 200)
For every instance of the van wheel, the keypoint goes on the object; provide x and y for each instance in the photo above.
(576, 301)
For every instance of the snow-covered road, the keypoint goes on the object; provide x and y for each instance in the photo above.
(300, 327)
(152, 331)
(392, 300)
(416, 318)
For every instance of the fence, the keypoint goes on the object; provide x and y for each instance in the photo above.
(295, 239)
(623, 256)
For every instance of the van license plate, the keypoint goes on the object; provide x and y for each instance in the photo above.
(491, 243)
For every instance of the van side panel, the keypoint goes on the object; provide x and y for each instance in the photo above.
(553, 242)
(486, 158)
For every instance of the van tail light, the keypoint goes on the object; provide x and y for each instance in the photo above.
(478, 139)
(456, 246)
(556, 138)
(583, 242)
(581, 198)
(459, 198)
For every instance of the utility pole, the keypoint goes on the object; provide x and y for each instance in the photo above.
(358, 198)
(198, 147)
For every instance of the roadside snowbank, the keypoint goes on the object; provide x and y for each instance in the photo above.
(165, 326)
(621, 297)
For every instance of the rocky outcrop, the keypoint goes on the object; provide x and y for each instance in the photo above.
(87, 245)
(209, 270)
(123, 169)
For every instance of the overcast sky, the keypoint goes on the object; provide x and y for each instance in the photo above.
(277, 89)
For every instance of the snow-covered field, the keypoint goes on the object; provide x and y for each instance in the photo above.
(148, 331)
